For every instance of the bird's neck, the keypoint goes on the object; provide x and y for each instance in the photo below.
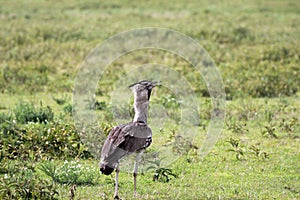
(141, 111)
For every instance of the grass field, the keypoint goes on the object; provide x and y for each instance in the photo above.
(254, 44)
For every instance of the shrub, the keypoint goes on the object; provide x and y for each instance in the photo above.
(241, 151)
(4, 117)
(60, 100)
(68, 109)
(70, 173)
(37, 141)
(237, 127)
(261, 80)
(161, 174)
(170, 101)
(236, 148)
(26, 112)
(19, 78)
(19, 181)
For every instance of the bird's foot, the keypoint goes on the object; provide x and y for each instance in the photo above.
(116, 197)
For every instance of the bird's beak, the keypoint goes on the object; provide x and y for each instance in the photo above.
(130, 86)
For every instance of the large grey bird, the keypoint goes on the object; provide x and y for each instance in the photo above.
(133, 137)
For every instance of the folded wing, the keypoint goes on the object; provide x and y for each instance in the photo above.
(124, 140)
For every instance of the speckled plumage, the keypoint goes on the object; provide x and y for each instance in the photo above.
(122, 141)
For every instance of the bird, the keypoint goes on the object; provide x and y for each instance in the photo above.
(132, 137)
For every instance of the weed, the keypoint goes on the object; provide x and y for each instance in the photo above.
(269, 115)
(169, 102)
(61, 100)
(259, 153)
(288, 126)
(68, 109)
(269, 131)
(37, 141)
(238, 127)
(100, 105)
(180, 144)
(236, 148)
(5, 117)
(161, 174)
(106, 128)
(18, 181)
(18, 78)
(26, 112)
(72, 173)
(94, 104)
(171, 105)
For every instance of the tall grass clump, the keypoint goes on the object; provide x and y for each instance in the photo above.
(26, 112)
(18, 180)
(70, 172)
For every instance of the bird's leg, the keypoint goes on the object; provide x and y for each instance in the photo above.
(135, 171)
(117, 180)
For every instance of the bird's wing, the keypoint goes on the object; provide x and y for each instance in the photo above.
(139, 136)
(125, 139)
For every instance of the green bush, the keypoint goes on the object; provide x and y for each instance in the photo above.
(37, 141)
(262, 81)
(4, 117)
(26, 112)
(18, 180)
(161, 174)
(70, 172)
(68, 109)
(273, 83)
(29, 78)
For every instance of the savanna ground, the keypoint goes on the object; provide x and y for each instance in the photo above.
(255, 45)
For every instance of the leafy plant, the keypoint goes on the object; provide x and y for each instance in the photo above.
(100, 105)
(180, 144)
(259, 153)
(37, 141)
(236, 148)
(26, 112)
(238, 127)
(4, 117)
(172, 106)
(19, 181)
(94, 104)
(269, 114)
(19, 78)
(106, 128)
(68, 109)
(61, 100)
(288, 126)
(170, 101)
(161, 174)
(269, 130)
(71, 172)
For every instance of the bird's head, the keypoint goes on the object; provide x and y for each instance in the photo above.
(142, 89)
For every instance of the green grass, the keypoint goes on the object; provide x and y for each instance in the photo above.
(220, 175)
(254, 44)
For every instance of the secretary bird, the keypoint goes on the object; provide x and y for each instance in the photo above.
(133, 137)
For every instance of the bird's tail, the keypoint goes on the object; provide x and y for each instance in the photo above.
(105, 169)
